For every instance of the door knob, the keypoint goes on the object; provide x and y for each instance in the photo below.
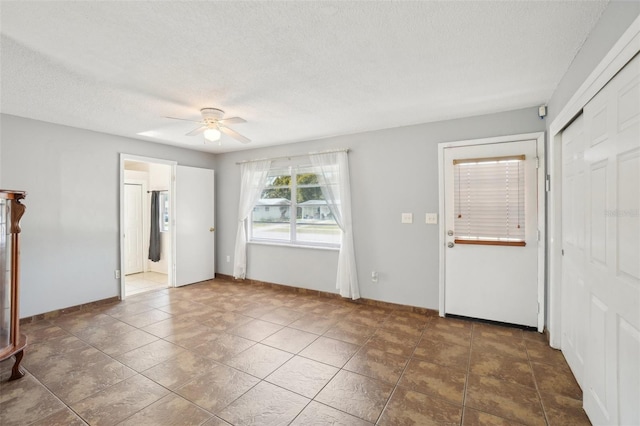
(450, 233)
(450, 244)
(212, 229)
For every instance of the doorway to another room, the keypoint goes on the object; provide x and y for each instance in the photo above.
(147, 226)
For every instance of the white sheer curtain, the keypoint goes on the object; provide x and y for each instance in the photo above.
(253, 179)
(334, 181)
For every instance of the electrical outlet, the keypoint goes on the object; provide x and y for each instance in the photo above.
(431, 218)
(407, 217)
(116, 273)
(374, 277)
(228, 259)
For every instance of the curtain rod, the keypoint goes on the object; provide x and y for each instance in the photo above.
(289, 157)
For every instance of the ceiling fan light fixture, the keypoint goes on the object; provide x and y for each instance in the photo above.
(212, 135)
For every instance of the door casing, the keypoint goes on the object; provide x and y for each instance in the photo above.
(539, 137)
(172, 272)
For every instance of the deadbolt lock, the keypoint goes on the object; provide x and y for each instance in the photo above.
(450, 233)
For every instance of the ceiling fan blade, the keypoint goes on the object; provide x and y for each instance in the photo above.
(232, 120)
(197, 131)
(234, 134)
(184, 119)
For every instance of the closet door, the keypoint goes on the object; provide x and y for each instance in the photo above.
(574, 291)
(612, 250)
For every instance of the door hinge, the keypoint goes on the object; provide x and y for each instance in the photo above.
(538, 307)
(548, 183)
(537, 162)
(538, 235)
(562, 252)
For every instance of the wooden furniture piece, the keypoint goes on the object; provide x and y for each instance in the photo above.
(11, 341)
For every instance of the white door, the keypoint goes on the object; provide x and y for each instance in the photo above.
(195, 258)
(612, 250)
(574, 292)
(491, 259)
(134, 246)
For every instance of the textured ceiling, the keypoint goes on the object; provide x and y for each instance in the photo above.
(294, 70)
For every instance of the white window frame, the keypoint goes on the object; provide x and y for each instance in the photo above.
(293, 212)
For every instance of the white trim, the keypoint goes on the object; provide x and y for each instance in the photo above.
(539, 138)
(129, 157)
(620, 54)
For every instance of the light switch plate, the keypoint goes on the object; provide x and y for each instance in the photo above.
(407, 217)
(431, 218)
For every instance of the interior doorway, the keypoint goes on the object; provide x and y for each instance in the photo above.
(147, 229)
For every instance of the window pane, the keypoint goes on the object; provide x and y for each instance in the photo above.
(315, 223)
(489, 200)
(164, 212)
(272, 214)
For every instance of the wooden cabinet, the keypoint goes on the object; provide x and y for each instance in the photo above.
(12, 343)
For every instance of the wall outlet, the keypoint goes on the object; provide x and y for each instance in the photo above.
(431, 218)
(116, 273)
(228, 259)
(374, 277)
(407, 217)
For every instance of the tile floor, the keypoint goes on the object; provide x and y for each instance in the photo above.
(144, 282)
(221, 353)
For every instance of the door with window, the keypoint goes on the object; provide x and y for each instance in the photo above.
(491, 225)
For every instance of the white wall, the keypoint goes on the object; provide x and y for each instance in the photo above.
(392, 171)
(70, 245)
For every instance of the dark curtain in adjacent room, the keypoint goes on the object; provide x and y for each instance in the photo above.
(154, 239)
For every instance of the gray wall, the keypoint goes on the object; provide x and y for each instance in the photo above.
(615, 20)
(70, 239)
(70, 245)
(393, 171)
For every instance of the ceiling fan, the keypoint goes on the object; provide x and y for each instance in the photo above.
(213, 123)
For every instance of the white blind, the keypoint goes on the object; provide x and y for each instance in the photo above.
(489, 199)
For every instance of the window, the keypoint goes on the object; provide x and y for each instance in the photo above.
(293, 210)
(164, 211)
(489, 201)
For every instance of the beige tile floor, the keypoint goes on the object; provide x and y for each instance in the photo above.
(221, 353)
(144, 282)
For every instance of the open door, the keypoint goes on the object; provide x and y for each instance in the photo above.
(194, 226)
